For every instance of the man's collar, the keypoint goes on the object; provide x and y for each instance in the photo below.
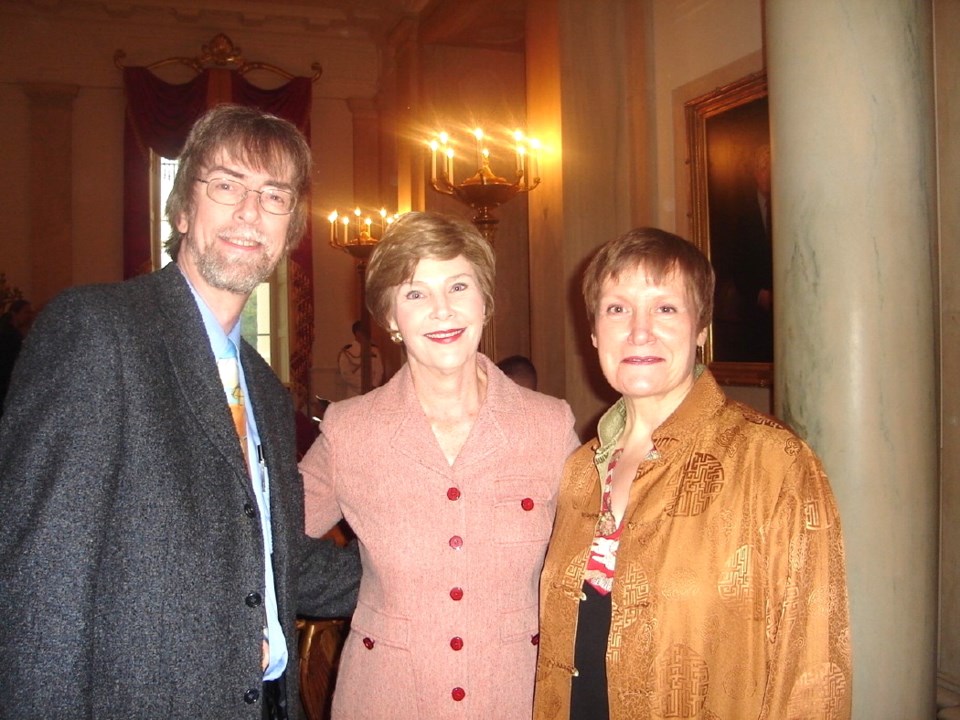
(218, 338)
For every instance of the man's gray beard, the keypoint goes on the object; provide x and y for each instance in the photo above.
(237, 277)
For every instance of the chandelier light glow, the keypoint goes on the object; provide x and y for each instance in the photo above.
(484, 190)
(358, 232)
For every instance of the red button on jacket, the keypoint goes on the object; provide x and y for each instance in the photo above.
(458, 694)
(453, 494)
(527, 504)
(456, 593)
(456, 643)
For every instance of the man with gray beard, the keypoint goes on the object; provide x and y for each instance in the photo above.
(152, 542)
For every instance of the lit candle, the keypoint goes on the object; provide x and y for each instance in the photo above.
(450, 166)
(478, 134)
(521, 169)
(433, 160)
(332, 217)
(444, 150)
(359, 230)
(346, 229)
(518, 139)
(383, 216)
(534, 163)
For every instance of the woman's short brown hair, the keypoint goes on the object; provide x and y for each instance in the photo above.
(419, 235)
(249, 136)
(659, 253)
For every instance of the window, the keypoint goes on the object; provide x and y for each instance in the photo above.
(262, 314)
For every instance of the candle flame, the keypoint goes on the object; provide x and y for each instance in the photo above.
(332, 217)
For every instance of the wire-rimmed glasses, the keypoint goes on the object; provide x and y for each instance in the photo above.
(227, 191)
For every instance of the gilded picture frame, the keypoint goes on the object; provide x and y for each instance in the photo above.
(728, 140)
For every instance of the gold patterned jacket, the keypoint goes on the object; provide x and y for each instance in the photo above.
(730, 598)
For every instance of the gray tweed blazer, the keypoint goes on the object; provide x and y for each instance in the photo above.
(131, 561)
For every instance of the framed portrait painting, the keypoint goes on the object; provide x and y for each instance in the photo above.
(728, 137)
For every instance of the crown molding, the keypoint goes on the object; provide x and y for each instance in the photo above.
(341, 19)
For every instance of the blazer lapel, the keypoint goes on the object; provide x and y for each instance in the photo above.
(413, 437)
(489, 435)
(406, 425)
(194, 366)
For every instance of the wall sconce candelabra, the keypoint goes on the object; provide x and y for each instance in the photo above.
(357, 234)
(484, 191)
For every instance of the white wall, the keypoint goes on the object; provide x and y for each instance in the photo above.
(692, 40)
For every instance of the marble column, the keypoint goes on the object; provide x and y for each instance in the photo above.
(852, 134)
(51, 188)
(946, 29)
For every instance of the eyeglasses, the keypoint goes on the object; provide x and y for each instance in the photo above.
(226, 191)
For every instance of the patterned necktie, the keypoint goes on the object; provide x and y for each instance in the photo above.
(230, 377)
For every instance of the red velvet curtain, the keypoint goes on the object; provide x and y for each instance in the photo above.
(158, 117)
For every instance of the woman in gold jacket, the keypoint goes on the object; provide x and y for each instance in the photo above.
(696, 568)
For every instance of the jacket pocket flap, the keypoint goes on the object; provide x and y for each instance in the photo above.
(519, 624)
(380, 627)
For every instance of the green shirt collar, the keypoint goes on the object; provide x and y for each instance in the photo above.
(613, 421)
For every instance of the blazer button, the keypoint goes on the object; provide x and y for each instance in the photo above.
(456, 593)
(368, 643)
(456, 643)
(456, 542)
(253, 600)
(535, 639)
(453, 494)
(527, 504)
(249, 511)
(458, 694)
(251, 696)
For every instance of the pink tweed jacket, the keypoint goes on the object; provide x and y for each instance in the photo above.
(446, 622)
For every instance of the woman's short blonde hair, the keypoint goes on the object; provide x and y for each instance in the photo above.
(660, 254)
(419, 235)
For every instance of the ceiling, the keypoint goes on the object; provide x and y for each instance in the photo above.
(473, 23)
(487, 23)
(483, 23)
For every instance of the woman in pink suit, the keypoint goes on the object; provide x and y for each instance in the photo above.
(448, 475)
